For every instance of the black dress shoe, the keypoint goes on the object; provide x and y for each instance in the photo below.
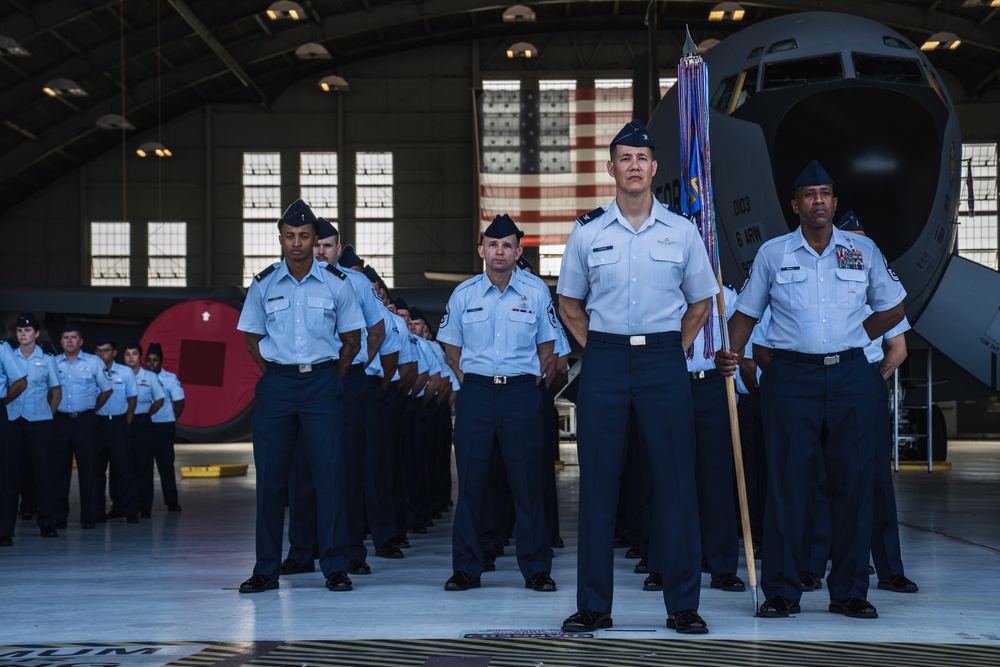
(115, 513)
(778, 606)
(258, 583)
(339, 582)
(633, 551)
(642, 567)
(854, 608)
(810, 581)
(461, 581)
(542, 582)
(389, 550)
(132, 518)
(586, 620)
(292, 566)
(620, 542)
(557, 542)
(61, 523)
(871, 570)
(6, 541)
(358, 566)
(88, 524)
(49, 532)
(489, 562)
(704, 566)
(145, 514)
(27, 516)
(401, 542)
(687, 622)
(173, 507)
(729, 582)
(654, 582)
(416, 528)
(898, 583)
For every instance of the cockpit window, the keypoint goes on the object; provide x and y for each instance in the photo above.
(886, 68)
(898, 43)
(723, 94)
(802, 72)
(784, 45)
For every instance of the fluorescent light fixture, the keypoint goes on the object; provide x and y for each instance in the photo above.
(312, 51)
(285, 10)
(941, 41)
(113, 121)
(153, 148)
(334, 83)
(57, 87)
(518, 14)
(727, 11)
(522, 50)
(10, 47)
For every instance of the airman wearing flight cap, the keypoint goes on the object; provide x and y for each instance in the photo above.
(628, 270)
(113, 421)
(818, 393)
(293, 311)
(10, 474)
(85, 389)
(498, 331)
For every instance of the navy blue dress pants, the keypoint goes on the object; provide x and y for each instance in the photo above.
(379, 465)
(30, 448)
(113, 449)
(164, 434)
(76, 435)
(886, 553)
(140, 440)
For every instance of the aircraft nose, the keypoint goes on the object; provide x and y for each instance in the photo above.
(881, 146)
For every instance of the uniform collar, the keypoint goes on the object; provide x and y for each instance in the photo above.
(614, 214)
(838, 238)
(515, 283)
(282, 272)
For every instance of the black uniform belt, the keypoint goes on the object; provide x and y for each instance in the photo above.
(704, 375)
(295, 369)
(642, 339)
(819, 359)
(74, 415)
(355, 369)
(111, 417)
(498, 379)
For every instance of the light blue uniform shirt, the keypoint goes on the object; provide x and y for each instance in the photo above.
(818, 301)
(122, 388)
(42, 374)
(81, 382)
(149, 391)
(371, 308)
(300, 320)
(561, 347)
(9, 372)
(393, 342)
(499, 333)
(429, 357)
(409, 352)
(874, 352)
(636, 282)
(172, 391)
(698, 362)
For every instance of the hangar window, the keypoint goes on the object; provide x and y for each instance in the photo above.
(886, 68)
(802, 72)
(110, 251)
(167, 254)
(261, 208)
(318, 183)
(978, 207)
(373, 179)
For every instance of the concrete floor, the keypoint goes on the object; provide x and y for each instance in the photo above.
(173, 578)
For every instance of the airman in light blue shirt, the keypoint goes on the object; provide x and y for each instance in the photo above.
(81, 374)
(123, 388)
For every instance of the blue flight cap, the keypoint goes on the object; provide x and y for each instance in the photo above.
(372, 274)
(155, 348)
(813, 174)
(105, 339)
(298, 214)
(416, 313)
(524, 264)
(633, 134)
(502, 227)
(325, 229)
(401, 303)
(25, 320)
(349, 258)
(134, 344)
(850, 223)
(69, 327)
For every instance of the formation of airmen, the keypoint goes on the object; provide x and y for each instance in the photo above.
(113, 420)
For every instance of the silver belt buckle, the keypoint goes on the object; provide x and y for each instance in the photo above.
(499, 379)
(698, 375)
(831, 360)
(305, 368)
(637, 340)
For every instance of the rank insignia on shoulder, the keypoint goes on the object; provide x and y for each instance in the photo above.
(265, 273)
(335, 271)
(587, 217)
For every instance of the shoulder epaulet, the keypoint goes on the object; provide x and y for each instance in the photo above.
(587, 217)
(677, 211)
(265, 273)
(335, 271)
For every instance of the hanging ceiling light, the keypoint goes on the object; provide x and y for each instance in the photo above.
(153, 148)
(312, 51)
(57, 87)
(113, 121)
(518, 14)
(941, 41)
(522, 50)
(727, 11)
(10, 47)
(285, 10)
(334, 83)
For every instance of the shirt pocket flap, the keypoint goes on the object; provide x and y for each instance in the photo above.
(609, 256)
(522, 316)
(276, 305)
(666, 253)
(854, 275)
(475, 316)
(319, 302)
(787, 277)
